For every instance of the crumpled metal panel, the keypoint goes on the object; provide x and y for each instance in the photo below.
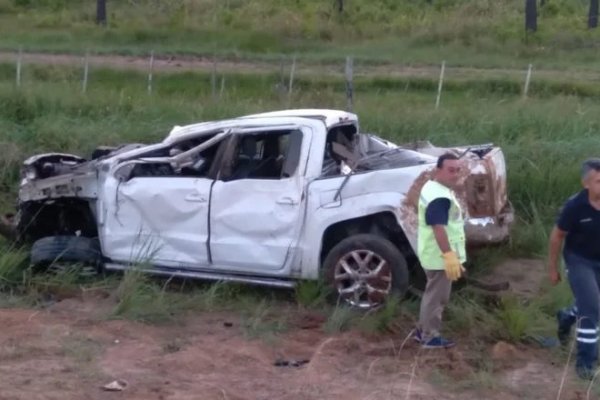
(255, 224)
(162, 220)
(364, 194)
(83, 185)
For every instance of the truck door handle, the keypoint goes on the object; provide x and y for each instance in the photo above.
(195, 197)
(286, 200)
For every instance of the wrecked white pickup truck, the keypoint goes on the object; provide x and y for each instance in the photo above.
(269, 199)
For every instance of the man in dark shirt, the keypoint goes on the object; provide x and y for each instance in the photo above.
(578, 225)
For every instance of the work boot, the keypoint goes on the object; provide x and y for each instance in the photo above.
(438, 342)
(565, 323)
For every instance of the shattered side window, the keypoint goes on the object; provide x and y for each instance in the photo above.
(340, 149)
(266, 155)
(198, 165)
(146, 170)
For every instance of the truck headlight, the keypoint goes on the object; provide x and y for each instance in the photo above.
(31, 174)
(28, 174)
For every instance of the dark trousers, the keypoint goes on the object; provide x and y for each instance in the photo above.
(584, 279)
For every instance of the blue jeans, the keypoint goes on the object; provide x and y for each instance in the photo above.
(584, 279)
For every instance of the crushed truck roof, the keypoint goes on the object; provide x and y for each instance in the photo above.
(329, 117)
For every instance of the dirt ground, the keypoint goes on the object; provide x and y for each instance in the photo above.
(525, 276)
(69, 350)
(176, 63)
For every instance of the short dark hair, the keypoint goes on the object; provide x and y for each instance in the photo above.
(444, 157)
(591, 164)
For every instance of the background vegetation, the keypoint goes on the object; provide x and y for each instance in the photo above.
(464, 32)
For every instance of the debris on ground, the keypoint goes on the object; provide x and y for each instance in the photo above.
(115, 386)
(290, 363)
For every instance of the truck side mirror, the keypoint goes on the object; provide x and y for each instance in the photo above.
(123, 173)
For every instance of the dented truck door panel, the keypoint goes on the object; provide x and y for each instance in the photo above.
(257, 208)
(155, 210)
(159, 220)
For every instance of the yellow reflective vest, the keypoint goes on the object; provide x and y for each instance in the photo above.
(429, 252)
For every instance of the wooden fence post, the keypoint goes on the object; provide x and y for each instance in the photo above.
(86, 68)
(527, 80)
(19, 60)
(440, 84)
(150, 72)
(349, 86)
(291, 82)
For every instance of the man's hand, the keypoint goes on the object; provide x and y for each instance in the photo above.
(554, 276)
(556, 239)
(452, 265)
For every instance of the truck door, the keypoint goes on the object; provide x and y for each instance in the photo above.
(257, 207)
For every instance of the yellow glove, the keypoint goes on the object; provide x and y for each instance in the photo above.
(452, 265)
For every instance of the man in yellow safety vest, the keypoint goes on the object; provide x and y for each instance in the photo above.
(441, 248)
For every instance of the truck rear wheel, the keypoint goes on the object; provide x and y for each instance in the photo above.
(365, 270)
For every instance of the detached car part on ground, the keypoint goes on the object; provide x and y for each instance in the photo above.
(268, 199)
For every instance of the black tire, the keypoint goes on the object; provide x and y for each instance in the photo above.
(384, 249)
(66, 249)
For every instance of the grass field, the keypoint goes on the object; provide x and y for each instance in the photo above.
(464, 32)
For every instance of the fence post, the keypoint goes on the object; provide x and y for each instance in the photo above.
(85, 72)
(150, 72)
(527, 80)
(19, 60)
(291, 84)
(222, 86)
(213, 78)
(440, 84)
(349, 86)
(281, 87)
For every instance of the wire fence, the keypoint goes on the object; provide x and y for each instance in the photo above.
(287, 69)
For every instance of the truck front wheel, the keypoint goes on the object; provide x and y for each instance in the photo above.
(365, 270)
(55, 252)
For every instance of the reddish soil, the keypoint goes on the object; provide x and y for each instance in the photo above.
(69, 351)
(525, 276)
